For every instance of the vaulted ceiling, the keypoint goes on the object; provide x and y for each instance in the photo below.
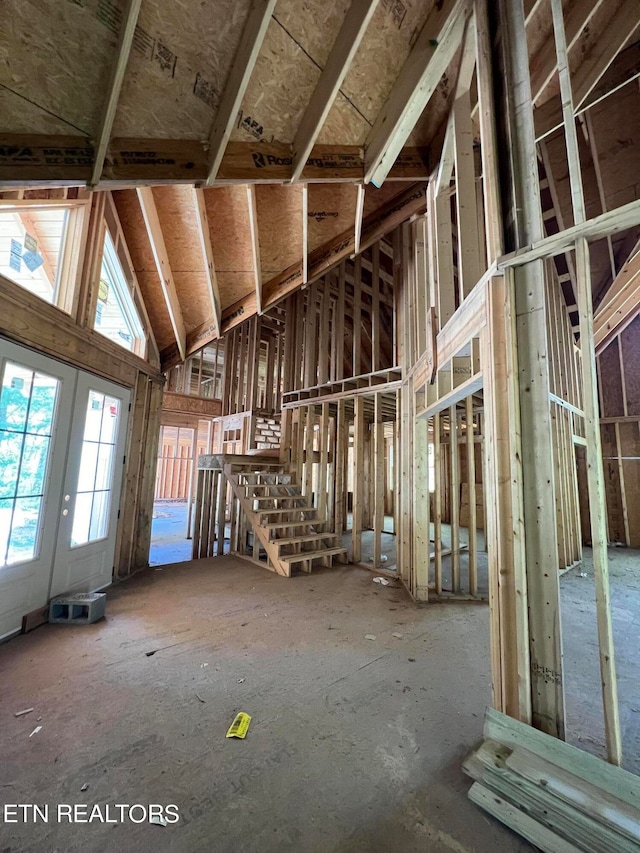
(244, 139)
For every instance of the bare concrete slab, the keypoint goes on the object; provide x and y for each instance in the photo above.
(354, 745)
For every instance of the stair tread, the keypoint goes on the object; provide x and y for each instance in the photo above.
(286, 509)
(282, 525)
(307, 537)
(276, 497)
(311, 555)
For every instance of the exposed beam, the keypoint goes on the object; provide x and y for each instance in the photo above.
(543, 64)
(251, 40)
(619, 29)
(333, 74)
(59, 160)
(621, 304)
(611, 222)
(161, 258)
(595, 470)
(305, 233)
(322, 259)
(123, 49)
(358, 220)
(204, 235)
(255, 244)
(434, 49)
(603, 71)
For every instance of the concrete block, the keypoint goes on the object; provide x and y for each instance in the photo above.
(83, 608)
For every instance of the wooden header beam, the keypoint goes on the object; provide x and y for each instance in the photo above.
(28, 159)
(244, 61)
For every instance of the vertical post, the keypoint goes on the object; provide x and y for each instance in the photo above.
(454, 459)
(421, 521)
(437, 500)
(358, 480)
(471, 491)
(378, 486)
(541, 548)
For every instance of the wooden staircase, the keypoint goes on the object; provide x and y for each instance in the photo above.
(284, 522)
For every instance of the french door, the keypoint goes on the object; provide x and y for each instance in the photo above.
(62, 439)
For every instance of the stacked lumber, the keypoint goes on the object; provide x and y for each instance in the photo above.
(559, 798)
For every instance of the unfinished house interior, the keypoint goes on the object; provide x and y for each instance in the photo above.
(320, 426)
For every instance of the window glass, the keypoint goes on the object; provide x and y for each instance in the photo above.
(116, 316)
(93, 495)
(27, 413)
(31, 240)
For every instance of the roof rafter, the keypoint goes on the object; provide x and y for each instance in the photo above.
(253, 35)
(434, 49)
(375, 225)
(161, 258)
(344, 49)
(543, 64)
(204, 236)
(255, 244)
(123, 49)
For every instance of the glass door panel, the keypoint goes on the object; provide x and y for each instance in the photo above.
(36, 402)
(86, 541)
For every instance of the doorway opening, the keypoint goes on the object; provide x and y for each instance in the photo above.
(174, 499)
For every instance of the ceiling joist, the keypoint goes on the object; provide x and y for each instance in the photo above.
(123, 49)
(430, 56)
(344, 49)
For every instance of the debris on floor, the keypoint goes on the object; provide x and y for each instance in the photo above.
(369, 636)
(198, 696)
(397, 635)
(382, 581)
(239, 726)
(158, 820)
(35, 731)
(22, 713)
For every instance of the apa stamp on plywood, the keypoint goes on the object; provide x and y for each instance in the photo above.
(396, 9)
(206, 91)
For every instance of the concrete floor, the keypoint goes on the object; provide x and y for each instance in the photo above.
(585, 721)
(168, 532)
(355, 745)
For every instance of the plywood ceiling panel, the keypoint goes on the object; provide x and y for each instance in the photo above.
(135, 233)
(331, 210)
(56, 56)
(179, 225)
(279, 227)
(181, 59)
(228, 215)
(382, 53)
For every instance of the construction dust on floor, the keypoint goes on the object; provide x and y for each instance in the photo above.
(354, 744)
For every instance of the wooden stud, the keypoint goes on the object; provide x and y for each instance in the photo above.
(358, 480)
